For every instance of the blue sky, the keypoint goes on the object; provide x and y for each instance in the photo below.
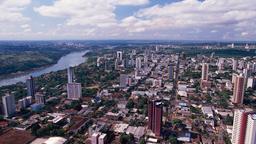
(128, 19)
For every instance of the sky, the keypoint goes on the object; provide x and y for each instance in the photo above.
(225, 20)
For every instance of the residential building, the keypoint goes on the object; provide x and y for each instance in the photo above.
(138, 63)
(171, 71)
(205, 69)
(155, 114)
(119, 55)
(40, 98)
(244, 127)
(250, 135)
(74, 91)
(9, 105)
(30, 87)
(123, 80)
(71, 74)
(238, 91)
(234, 65)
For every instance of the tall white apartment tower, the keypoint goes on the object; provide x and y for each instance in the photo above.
(74, 91)
(138, 63)
(9, 105)
(119, 55)
(71, 74)
(234, 66)
(205, 69)
(238, 91)
(250, 134)
(239, 126)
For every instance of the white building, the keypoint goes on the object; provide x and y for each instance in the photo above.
(250, 135)
(119, 55)
(94, 138)
(205, 69)
(74, 91)
(138, 63)
(102, 139)
(251, 82)
(9, 105)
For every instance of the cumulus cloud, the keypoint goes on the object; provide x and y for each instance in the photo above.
(98, 13)
(219, 15)
(10, 10)
(189, 13)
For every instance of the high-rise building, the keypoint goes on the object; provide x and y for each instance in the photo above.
(94, 138)
(40, 98)
(30, 87)
(145, 60)
(239, 126)
(74, 91)
(238, 91)
(119, 55)
(234, 66)
(251, 82)
(250, 134)
(221, 63)
(244, 128)
(71, 74)
(155, 114)
(138, 63)
(9, 105)
(254, 67)
(102, 138)
(25, 102)
(205, 69)
(171, 71)
(123, 80)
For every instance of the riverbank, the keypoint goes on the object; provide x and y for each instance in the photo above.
(71, 59)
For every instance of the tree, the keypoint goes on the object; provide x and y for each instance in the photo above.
(142, 141)
(130, 104)
(228, 120)
(126, 139)
(172, 139)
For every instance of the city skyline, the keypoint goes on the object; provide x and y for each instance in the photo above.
(135, 20)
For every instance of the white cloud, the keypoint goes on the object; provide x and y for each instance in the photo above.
(244, 34)
(25, 26)
(220, 15)
(98, 13)
(10, 10)
(27, 30)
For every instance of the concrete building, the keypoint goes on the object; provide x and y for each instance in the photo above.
(250, 134)
(94, 138)
(40, 98)
(71, 75)
(238, 91)
(102, 138)
(9, 105)
(74, 91)
(119, 55)
(138, 63)
(251, 83)
(239, 126)
(123, 80)
(155, 114)
(234, 65)
(205, 69)
(244, 127)
(171, 71)
(25, 102)
(30, 87)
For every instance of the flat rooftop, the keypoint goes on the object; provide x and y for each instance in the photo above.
(13, 136)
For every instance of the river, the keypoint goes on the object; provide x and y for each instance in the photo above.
(72, 59)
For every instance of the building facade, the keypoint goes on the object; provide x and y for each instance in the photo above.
(155, 114)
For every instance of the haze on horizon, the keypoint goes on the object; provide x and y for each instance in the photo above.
(128, 19)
